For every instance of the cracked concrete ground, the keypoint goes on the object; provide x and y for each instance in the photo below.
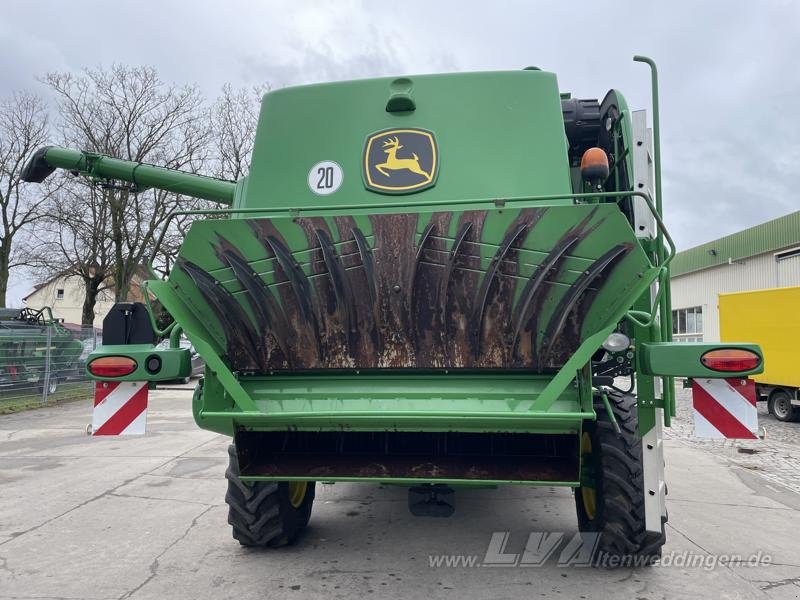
(145, 518)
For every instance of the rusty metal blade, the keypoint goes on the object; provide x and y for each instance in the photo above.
(367, 261)
(267, 310)
(550, 265)
(341, 285)
(448, 270)
(297, 280)
(424, 239)
(476, 328)
(418, 256)
(541, 273)
(569, 299)
(227, 309)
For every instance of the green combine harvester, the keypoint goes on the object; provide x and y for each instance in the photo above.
(432, 281)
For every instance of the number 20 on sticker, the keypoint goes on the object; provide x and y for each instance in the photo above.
(325, 177)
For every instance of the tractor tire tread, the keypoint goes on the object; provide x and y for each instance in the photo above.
(621, 519)
(258, 514)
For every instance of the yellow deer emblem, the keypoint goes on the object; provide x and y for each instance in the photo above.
(391, 146)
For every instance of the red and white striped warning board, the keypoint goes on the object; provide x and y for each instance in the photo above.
(725, 408)
(120, 408)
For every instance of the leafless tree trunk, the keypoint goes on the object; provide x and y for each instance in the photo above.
(73, 241)
(92, 286)
(129, 113)
(23, 129)
(234, 118)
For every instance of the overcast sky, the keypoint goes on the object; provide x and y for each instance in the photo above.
(730, 82)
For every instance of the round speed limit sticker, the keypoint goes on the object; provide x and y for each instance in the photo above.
(325, 177)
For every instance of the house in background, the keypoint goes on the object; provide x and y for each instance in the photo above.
(64, 294)
(760, 257)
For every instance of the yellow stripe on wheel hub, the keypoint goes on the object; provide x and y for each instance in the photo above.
(297, 492)
(588, 494)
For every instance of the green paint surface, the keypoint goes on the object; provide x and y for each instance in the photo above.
(500, 134)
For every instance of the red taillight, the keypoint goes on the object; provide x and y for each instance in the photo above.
(112, 366)
(730, 359)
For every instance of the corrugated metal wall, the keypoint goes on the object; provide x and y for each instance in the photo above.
(701, 288)
(788, 269)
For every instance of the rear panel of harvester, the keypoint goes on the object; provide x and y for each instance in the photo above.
(373, 342)
(512, 289)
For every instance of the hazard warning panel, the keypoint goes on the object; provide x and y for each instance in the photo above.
(725, 408)
(120, 408)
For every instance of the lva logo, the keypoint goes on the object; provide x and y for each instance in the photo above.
(541, 548)
(576, 551)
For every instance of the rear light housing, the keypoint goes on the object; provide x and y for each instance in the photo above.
(112, 366)
(730, 360)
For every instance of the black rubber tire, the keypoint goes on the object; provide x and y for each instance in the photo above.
(778, 398)
(260, 513)
(616, 467)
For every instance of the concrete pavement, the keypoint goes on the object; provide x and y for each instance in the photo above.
(145, 518)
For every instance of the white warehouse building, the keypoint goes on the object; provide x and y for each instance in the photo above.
(761, 257)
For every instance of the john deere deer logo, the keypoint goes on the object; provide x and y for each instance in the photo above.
(400, 160)
(390, 147)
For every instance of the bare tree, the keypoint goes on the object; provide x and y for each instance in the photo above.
(23, 129)
(234, 118)
(72, 241)
(129, 113)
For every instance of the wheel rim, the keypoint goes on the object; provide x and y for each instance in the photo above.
(781, 406)
(588, 492)
(297, 492)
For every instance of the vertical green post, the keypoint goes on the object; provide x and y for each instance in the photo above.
(665, 312)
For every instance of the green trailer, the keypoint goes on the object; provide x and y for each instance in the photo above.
(36, 350)
(434, 281)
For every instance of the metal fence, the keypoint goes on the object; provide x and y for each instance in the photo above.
(44, 364)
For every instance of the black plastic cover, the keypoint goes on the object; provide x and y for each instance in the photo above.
(36, 170)
(128, 323)
(581, 124)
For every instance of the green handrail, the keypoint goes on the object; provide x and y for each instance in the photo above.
(499, 202)
(665, 313)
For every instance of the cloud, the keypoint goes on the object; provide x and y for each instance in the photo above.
(728, 88)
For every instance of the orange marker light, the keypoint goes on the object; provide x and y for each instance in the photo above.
(594, 166)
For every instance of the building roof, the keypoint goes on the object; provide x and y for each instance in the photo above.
(36, 288)
(142, 273)
(766, 237)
